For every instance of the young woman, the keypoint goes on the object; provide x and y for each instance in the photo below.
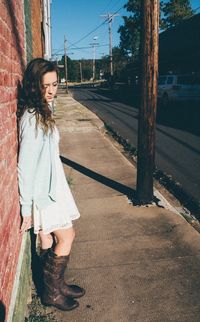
(46, 200)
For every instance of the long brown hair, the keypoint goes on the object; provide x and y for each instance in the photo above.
(31, 95)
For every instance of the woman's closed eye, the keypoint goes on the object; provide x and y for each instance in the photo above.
(47, 85)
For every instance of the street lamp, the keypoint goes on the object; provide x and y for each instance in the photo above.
(65, 63)
(94, 44)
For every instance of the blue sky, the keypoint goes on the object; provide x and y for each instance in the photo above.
(76, 19)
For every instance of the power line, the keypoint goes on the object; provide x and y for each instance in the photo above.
(80, 48)
(103, 23)
(88, 34)
(107, 5)
(75, 48)
(196, 9)
(192, 15)
(116, 5)
(91, 32)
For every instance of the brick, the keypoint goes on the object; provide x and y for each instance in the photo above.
(12, 58)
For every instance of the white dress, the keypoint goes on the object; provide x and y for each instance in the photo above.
(60, 214)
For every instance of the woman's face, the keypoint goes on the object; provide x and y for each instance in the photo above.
(50, 85)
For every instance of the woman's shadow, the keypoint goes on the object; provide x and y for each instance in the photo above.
(2, 312)
(36, 265)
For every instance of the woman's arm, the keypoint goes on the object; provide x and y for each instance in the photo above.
(30, 148)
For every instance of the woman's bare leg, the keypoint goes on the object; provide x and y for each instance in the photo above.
(64, 238)
(46, 240)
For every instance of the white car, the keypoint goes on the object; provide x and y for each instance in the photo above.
(173, 88)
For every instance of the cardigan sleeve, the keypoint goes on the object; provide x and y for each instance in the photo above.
(29, 151)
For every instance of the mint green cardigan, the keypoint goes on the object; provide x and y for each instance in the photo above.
(36, 165)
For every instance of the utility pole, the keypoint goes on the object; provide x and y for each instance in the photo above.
(110, 18)
(148, 100)
(66, 69)
(93, 63)
(94, 44)
(81, 76)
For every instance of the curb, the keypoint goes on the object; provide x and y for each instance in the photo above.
(162, 201)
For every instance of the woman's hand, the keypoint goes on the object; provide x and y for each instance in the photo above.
(26, 224)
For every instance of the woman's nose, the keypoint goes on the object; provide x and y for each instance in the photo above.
(50, 89)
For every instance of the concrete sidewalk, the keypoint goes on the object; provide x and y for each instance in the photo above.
(137, 264)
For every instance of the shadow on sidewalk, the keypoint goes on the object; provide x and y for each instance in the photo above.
(2, 312)
(36, 266)
(129, 192)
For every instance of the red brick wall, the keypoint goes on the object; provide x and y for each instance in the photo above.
(36, 14)
(12, 57)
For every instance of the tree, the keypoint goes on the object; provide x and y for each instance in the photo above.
(73, 70)
(174, 12)
(86, 69)
(130, 31)
(119, 63)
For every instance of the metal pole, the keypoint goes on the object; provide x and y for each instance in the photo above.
(81, 76)
(148, 101)
(93, 64)
(94, 44)
(66, 69)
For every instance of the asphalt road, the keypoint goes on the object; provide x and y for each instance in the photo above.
(177, 141)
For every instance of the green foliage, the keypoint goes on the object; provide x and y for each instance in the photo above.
(174, 12)
(86, 69)
(126, 56)
(130, 31)
(119, 62)
(73, 67)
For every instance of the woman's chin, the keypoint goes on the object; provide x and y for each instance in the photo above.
(49, 100)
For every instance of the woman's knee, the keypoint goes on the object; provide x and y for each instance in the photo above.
(45, 240)
(65, 236)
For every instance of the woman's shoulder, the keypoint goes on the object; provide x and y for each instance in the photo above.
(29, 124)
(27, 119)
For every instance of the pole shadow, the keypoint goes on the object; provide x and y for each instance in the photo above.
(127, 191)
(130, 193)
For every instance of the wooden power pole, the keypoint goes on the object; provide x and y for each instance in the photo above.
(148, 100)
(110, 18)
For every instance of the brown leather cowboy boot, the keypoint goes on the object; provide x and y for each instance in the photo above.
(53, 271)
(73, 291)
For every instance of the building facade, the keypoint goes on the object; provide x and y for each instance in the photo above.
(25, 33)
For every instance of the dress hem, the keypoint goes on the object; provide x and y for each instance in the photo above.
(54, 228)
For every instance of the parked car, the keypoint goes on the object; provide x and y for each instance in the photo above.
(174, 88)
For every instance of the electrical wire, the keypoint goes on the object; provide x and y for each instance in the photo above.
(116, 4)
(61, 52)
(192, 15)
(107, 5)
(88, 34)
(103, 23)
